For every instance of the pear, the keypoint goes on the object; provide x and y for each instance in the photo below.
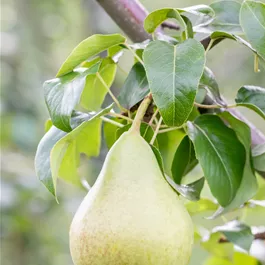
(131, 216)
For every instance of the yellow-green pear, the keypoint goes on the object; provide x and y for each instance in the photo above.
(131, 216)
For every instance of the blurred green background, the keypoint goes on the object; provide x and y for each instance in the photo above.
(36, 37)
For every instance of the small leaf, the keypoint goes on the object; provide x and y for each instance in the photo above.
(248, 187)
(226, 18)
(252, 97)
(209, 83)
(173, 74)
(146, 132)
(184, 160)
(155, 18)
(135, 87)
(258, 153)
(94, 91)
(252, 20)
(63, 94)
(221, 156)
(88, 48)
(224, 250)
(92, 62)
(203, 205)
(237, 233)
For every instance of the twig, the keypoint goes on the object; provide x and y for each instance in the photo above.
(169, 129)
(153, 117)
(134, 54)
(112, 122)
(109, 91)
(113, 114)
(156, 131)
(170, 25)
(207, 106)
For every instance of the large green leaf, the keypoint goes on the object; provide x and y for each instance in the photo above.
(252, 97)
(58, 152)
(221, 156)
(173, 73)
(237, 233)
(258, 153)
(94, 91)
(184, 160)
(63, 94)
(226, 18)
(135, 87)
(155, 18)
(248, 186)
(252, 20)
(88, 48)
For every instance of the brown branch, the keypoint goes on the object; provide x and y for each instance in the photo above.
(170, 25)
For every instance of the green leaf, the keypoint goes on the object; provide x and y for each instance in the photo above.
(237, 233)
(88, 48)
(63, 94)
(155, 18)
(135, 87)
(109, 131)
(248, 187)
(258, 153)
(252, 97)
(94, 91)
(212, 244)
(58, 152)
(221, 156)
(209, 83)
(115, 52)
(252, 20)
(173, 74)
(146, 132)
(92, 62)
(203, 205)
(168, 143)
(184, 160)
(158, 158)
(48, 124)
(221, 35)
(226, 18)
(190, 191)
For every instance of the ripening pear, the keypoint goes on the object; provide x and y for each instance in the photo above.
(131, 216)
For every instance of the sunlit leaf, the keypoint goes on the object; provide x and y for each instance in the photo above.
(173, 74)
(88, 48)
(94, 91)
(221, 156)
(203, 205)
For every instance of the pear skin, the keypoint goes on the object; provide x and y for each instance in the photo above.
(131, 216)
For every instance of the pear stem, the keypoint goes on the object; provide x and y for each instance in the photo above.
(140, 113)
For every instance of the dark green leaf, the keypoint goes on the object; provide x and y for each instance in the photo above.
(88, 48)
(237, 233)
(146, 132)
(173, 73)
(252, 97)
(252, 20)
(94, 91)
(209, 83)
(248, 186)
(221, 156)
(63, 94)
(155, 18)
(226, 18)
(135, 87)
(258, 153)
(184, 160)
